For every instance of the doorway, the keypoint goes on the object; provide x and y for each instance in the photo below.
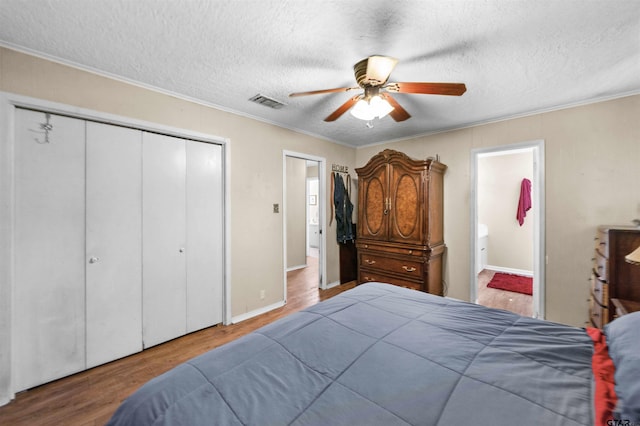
(500, 243)
(304, 248)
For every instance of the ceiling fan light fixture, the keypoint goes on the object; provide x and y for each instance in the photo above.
(374, 70)
(372, 74)
(376, 107)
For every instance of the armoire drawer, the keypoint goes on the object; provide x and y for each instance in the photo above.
(408, 267)
(370, 276)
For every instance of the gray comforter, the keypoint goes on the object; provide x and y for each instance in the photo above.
(381, 355)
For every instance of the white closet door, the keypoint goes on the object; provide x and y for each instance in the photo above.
(114, 242)
(163, 238)
(204, 235)
(48, 314)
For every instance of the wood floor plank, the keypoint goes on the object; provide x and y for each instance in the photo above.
(91, 397)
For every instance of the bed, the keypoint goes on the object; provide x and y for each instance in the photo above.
(383, 355)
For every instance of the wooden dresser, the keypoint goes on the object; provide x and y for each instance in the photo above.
(611, 276)
(400, 214)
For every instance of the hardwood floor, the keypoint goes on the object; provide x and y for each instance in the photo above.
(91, 397)
(515, 302)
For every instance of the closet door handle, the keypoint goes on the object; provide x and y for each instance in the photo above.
(94, 259)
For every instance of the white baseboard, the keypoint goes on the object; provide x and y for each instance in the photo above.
(333, 284)
(265, 309)
(295, 268)
(255, 313)
(510, 270)
(6, 400)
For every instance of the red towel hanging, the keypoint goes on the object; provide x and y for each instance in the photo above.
(524, 203)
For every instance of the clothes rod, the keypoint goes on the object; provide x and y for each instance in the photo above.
(339, 168)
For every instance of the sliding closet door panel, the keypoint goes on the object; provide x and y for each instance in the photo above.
(49, 314)
(163, 238)
(204, 235)
(114, 242)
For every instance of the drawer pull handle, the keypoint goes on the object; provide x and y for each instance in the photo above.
(409, 269)
(369, 262)
(368, 279)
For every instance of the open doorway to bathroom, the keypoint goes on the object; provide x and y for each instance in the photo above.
(507, 229)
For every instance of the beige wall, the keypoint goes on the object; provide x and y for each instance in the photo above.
(255, 166)
(499, 177)
(592, 154)
(296, 212)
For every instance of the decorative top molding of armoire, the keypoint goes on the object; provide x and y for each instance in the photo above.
(400, 236)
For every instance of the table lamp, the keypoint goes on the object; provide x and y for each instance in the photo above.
(633, 257)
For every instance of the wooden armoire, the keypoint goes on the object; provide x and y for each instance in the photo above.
(400, 214)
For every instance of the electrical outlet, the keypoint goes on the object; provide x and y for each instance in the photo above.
(276, 208)
(262, 295)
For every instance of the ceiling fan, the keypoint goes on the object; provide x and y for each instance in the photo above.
(371, 75)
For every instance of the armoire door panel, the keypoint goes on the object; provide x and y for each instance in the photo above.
(114, 242)
(205, 234)
(407, 207)
(405, 211)
(163, 238)
(374, 198)
(49, 275)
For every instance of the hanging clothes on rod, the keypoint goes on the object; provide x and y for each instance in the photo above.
(342, 206)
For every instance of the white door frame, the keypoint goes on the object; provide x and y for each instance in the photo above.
(322, 267)
(539, 253)
(8, 104)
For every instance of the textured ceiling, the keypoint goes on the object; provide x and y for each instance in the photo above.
(516, 57)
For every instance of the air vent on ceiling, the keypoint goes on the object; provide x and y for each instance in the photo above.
(266, 101)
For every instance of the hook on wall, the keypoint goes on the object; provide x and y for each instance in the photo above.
(46, 127)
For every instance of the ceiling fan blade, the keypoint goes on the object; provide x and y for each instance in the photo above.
(398, 113)
(319, 92)
(451, 89)
(374, 70)
(342, 109)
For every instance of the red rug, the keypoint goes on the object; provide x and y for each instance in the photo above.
(509, 282)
